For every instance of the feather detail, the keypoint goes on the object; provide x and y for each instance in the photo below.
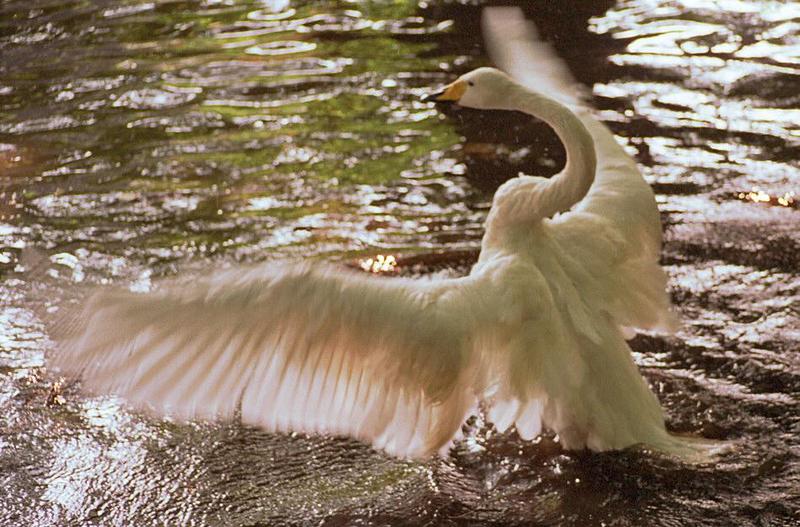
(303, 348)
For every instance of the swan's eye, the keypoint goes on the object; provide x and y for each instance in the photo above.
(471, 83)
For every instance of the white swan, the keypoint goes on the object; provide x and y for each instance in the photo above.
(535, 331)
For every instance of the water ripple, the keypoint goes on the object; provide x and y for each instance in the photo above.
(147, 139)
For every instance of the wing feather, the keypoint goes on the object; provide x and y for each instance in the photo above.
(514, 45)
(303, 348)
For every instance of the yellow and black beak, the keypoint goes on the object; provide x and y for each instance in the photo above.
(451, 92)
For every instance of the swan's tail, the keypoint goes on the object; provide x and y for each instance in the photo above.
(692, 449)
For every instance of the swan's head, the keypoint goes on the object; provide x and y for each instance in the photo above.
(483, 89)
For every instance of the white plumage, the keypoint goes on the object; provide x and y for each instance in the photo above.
(535, 331)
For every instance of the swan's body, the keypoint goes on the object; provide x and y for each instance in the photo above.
(535, 331)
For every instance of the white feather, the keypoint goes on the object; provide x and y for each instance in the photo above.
(535, 330)
(613, 235)
(304, 348)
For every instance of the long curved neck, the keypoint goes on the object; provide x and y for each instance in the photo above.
(569, 186)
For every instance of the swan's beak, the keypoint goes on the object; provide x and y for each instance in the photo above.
(451, 92)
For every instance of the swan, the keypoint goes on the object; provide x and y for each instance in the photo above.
(535, 335)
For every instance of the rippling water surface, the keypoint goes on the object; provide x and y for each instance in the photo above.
(147, 139)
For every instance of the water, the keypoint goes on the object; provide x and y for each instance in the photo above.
(141, 140)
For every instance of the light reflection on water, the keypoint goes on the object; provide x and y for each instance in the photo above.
(139, 140)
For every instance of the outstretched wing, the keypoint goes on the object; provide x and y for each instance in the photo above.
(304, 348)
(614, 232)
(513, 44)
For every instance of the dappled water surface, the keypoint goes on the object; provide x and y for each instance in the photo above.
(148, 139)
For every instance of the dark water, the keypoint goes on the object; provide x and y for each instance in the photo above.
(140, 140)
